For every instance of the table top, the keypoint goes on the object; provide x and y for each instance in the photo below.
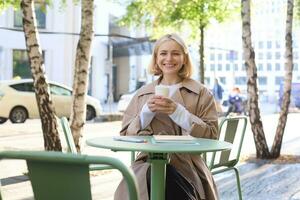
(150, 145)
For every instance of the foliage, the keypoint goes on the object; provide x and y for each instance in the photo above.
(185, 16)
(7, 3)
(4, 4)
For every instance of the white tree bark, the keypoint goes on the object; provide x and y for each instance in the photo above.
(275, 151)
(45, 105)
(262, 150)
(80, 83)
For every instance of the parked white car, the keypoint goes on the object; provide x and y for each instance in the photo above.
(18, 101)
(124, 101)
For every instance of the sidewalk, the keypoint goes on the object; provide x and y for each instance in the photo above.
(260, 180)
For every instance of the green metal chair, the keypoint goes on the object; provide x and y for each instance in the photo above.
(71, 145)
(61, 176)
(231, 129)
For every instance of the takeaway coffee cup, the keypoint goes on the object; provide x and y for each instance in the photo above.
(162, 90)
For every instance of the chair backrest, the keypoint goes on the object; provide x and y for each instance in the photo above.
(231, 129)
(70, 140)
(61, 176)
(68, 135)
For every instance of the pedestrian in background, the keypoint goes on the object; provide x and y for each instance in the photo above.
(218, 94)
(235, 101)
(188, 109)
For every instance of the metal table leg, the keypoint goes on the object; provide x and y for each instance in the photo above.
(158, 175)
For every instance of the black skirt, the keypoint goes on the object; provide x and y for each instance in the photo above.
(177, 187)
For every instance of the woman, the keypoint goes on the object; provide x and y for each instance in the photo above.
(189, 109)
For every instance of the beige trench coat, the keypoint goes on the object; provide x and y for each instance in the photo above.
(198, 100)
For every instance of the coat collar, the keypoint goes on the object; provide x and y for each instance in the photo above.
(187, 83)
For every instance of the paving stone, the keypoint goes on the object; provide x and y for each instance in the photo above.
(261, 181)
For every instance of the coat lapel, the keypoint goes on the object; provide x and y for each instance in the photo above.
(177, 97)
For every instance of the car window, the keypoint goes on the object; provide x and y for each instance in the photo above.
(57, 90)
(23, 87)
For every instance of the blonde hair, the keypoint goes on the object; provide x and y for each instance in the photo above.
(185, 71)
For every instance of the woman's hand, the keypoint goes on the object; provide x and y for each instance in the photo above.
(162, 104)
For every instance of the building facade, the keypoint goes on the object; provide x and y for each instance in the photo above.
(224, 53)
(58, 32)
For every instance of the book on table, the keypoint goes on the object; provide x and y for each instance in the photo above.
(173, 138)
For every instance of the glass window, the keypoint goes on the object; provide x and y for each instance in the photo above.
(243, 67)
(236, 67)
(260, 67)
(39, 12)
(260, 44)
(260, 55)
(269, 67)
(212, 56)
(269, 55)
(212, 67)
(277, 55)
(295, 67)
(277, 67)
(241, 80)
(219, 56)
(222, 80)
(219, 67)
(23, 87)
(227, 67)
(269, 44)
(21, 66)
(278, 80)
(296, 55)
(232, 55)
(277, 44)
(262, 80)
(207, 81)
(58, 90)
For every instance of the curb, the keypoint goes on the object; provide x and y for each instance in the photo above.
(109, 117)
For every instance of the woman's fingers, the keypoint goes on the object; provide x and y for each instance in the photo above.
(161, 104)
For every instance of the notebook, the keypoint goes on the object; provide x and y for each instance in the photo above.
(174, 138)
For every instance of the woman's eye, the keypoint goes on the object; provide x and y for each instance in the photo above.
(163, 54)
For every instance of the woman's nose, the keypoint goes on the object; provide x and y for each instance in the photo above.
(169, 56)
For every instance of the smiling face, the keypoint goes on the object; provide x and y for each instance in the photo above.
(170, 58)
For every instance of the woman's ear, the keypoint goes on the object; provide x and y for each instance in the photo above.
(185, 58)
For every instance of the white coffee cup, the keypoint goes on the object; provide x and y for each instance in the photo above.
(162, 90)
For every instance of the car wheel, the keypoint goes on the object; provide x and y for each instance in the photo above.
(2, 120)
(90, 113)
(18, 115)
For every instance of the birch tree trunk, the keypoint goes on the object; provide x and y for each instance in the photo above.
(82, 62)
(201, 55)
(44, 102)
(262, 150)
(275, 151)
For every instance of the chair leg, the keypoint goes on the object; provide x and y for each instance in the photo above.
(132, 157)
(237, 175)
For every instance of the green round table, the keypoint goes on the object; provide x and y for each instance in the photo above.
(158, 153)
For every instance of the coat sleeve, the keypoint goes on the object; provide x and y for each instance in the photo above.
(131, 120)
(131, 124)
(207, 113)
